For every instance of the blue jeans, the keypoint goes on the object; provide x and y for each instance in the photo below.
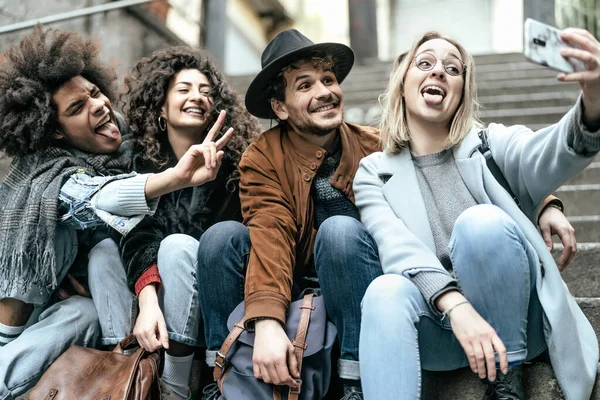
(51, 329)
(178, 296)
(346, 261)
(495, 268)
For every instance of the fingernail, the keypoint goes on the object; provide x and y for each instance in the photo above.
(505, 371)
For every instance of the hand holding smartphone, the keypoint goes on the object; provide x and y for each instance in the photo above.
(542, 45)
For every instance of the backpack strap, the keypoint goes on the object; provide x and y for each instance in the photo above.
(221, 361)
(299, 343)
(484, 149)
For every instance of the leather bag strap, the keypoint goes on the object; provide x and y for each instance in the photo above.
(221, 361)
(125, 343)
(300, 341)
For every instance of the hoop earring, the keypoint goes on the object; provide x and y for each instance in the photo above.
(160, 125)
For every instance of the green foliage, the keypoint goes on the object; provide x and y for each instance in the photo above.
(579, 13)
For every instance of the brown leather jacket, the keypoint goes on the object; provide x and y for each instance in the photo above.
(275, 183)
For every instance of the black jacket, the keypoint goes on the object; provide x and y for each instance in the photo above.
(188, 211)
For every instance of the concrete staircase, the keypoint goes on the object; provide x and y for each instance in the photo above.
(511, 91)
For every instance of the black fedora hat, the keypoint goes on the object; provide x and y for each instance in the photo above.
(285, 48)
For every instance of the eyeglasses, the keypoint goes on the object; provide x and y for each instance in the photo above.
(452, 65)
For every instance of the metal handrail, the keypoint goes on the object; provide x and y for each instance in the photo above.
(72, 14)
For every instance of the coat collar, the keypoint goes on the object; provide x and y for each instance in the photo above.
(402, 191)
(311, 156)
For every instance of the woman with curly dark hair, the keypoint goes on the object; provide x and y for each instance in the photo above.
(173, 98)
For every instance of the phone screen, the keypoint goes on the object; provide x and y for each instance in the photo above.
(542, 44)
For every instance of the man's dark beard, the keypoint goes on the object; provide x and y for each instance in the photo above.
(316, 130)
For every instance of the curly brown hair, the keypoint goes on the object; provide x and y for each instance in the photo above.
(146, 92)
(31, 72)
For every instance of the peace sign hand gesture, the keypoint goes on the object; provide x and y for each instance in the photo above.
(589, 54)
(201, 163)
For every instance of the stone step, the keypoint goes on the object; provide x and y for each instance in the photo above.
(529, 100)
(587, 228)
(526, 116)
(581, 275)
(590, 175)
(516, 74)
(539, 384)
(538, 85)
(581, 199)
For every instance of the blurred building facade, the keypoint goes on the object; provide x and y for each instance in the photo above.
(236, 31)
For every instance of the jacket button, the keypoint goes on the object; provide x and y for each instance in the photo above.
(313, 166)
(306, 177)
(319, 154)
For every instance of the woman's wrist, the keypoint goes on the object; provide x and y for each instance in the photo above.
(162, 183)
(148, 296)
(448, 300)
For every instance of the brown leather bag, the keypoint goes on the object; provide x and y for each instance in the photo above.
(84, 373)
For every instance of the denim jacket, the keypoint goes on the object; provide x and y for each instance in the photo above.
(87, 202)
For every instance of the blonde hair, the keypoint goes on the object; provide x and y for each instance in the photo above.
(393, 126)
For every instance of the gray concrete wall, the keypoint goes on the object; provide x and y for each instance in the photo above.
(123, 36)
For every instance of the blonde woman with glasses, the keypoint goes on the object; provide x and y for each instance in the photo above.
(467, 277)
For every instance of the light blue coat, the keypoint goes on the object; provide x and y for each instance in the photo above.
(534, 164)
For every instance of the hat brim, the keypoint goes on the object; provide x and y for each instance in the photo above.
(257, 100)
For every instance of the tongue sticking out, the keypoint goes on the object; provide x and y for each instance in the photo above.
(110, 130)
(433, 99)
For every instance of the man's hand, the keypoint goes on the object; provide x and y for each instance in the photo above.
(274, 360)
(150, 328)
(477, 338)
(553, 222)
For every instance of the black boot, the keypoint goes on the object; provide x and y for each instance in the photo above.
(352, 393)
(506, 387)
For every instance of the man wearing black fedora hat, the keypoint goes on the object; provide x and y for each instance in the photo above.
(299, 213)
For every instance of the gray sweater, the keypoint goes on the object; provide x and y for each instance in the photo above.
(445, 197)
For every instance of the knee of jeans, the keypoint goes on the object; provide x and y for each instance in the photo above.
(390, 293)
(224, 236)
(339, 228)
(79, 311)
(485, 223)
(98, 267)
(177, 247)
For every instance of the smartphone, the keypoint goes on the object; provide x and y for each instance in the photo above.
(542, 44)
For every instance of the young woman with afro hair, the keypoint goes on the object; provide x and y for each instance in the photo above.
(172, 100)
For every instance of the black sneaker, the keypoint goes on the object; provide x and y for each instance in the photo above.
(210, 392)
(352, 393)
(506, 387)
